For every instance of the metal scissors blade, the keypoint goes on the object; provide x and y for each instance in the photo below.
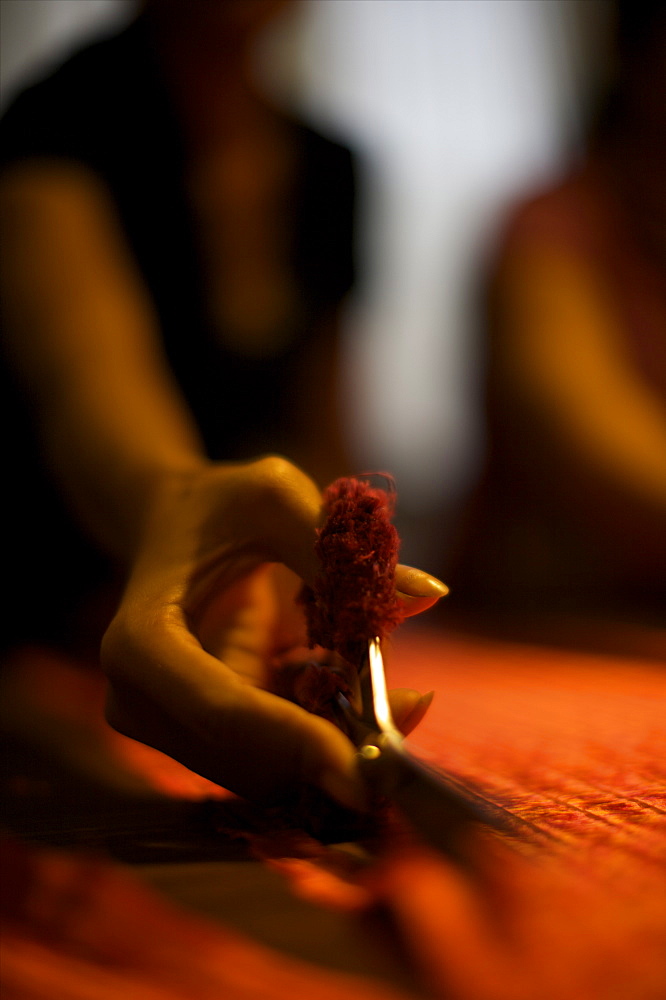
(438, 807)
(375, 706)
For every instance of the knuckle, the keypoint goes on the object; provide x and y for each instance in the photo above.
(274, 475)
(111, 643)
(120, 647)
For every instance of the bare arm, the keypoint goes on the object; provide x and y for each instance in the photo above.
(83, 336)
(565, 348)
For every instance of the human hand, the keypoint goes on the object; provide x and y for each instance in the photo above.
(211, 611)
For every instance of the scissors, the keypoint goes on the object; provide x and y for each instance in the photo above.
(436, 805)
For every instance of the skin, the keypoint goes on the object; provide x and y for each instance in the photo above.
(563, 363)
(596, 425)
(214, 553)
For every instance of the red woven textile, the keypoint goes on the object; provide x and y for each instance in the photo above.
(573, 905)
(80, 929)
(570, 906)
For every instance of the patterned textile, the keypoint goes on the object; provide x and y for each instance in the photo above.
(573, 744)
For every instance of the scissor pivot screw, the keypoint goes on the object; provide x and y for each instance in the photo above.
(370, 752)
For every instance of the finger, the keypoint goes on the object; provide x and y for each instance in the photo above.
(408, 707)
(182, 701)
(417, 590)
(289, 747)
(242, 616)
(286, 508)
(290, 629)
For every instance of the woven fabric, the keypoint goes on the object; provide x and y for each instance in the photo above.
(570, 904)
(572, 744)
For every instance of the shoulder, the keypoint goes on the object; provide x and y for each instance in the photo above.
(68, 112)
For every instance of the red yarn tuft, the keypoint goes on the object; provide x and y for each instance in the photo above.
(353, 598)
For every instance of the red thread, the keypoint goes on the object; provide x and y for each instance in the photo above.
(353, 598)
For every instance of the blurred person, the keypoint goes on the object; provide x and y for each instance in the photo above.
(571, 510)
(175, 253)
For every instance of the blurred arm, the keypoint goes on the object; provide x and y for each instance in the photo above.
(83, 337)
(560, 355)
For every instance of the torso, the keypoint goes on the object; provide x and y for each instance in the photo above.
(240, 192)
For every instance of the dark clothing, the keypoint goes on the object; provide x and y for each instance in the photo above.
(107, 108)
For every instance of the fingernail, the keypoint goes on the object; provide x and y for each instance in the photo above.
(417, 713)
(432, 587)
(416, 583)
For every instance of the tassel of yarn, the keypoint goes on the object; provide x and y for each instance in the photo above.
(353, 598)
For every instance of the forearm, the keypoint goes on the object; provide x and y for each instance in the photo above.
(562, 353)
(83, 339)
(109, 445)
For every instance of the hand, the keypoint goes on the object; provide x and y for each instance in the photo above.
(210, 611)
